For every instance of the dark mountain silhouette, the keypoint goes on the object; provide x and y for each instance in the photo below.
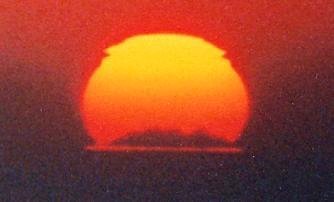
(172, 138)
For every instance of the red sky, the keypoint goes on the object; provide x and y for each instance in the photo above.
(283, 50)
(277, 47)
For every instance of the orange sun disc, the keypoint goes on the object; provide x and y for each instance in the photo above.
(164, 82)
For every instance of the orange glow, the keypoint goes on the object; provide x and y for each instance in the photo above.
(164, 82)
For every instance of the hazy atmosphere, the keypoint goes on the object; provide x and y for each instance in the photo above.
(283, 51)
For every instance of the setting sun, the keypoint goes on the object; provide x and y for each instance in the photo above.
(164, 82)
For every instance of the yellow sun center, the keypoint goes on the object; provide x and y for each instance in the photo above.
(164, 82)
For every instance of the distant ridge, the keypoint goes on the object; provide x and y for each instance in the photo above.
(170, 139)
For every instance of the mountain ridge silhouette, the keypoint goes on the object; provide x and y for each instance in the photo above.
(171, 138)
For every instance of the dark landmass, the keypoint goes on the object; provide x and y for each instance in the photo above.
(171, 139)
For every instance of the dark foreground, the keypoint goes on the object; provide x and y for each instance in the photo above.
(147, 176)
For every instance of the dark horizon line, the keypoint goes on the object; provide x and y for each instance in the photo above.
(182, 149)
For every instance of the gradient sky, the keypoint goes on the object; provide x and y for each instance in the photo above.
(283, 50)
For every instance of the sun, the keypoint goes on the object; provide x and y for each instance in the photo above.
(164, 82)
